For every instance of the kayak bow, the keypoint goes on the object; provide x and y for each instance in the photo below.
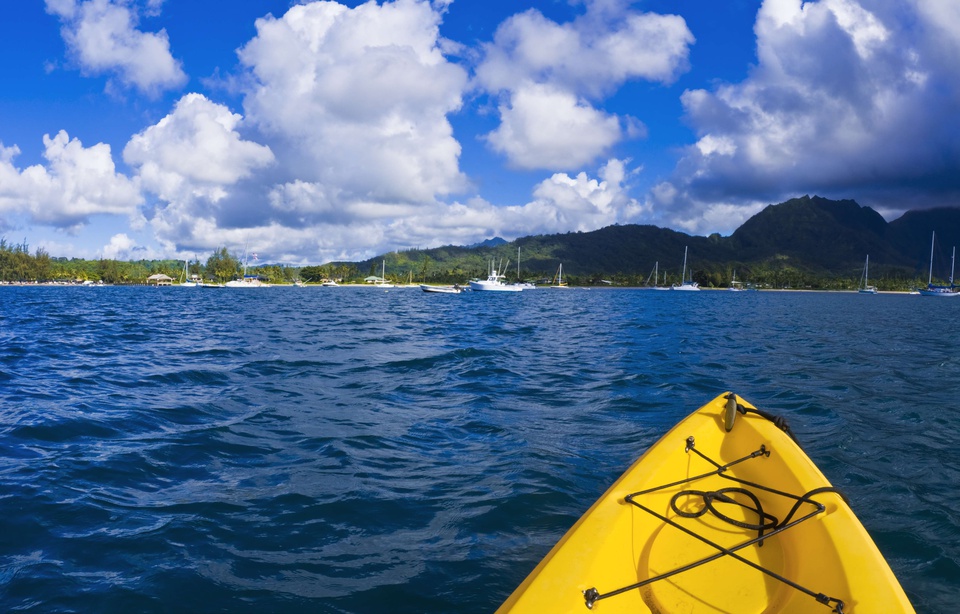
(725, 514)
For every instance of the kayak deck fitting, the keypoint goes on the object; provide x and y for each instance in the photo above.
(724, 514)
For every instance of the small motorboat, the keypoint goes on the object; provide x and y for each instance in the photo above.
(455, 289)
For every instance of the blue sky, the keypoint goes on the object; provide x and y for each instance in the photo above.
(315, 131)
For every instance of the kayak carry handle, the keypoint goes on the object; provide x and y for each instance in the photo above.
(731, 412)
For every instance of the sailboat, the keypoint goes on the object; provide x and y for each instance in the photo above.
(655, 275)
(932, 289)
(559, 279)
(865, 287)
(523, 285)
(685, 285)
(382, 282)
(735, 286)
(189, 281)
(251, 281)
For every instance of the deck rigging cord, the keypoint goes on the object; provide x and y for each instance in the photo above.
(766, 526)
(733, 407)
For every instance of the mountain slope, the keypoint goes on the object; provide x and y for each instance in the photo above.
(811, 236)
(911, 235)
(817, 233)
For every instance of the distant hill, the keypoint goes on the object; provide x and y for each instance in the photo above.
(790, 243)
(494, 242)
(911, 232)
(816, 233)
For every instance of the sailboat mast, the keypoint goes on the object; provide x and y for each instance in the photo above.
(953, 259)
(930, 274)
(683, 275)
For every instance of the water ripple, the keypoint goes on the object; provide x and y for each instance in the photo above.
(348, 450)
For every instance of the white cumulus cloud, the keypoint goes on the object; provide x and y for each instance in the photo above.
(550, 75)
(120, 247)
(194, 152)
(103, 37)
(545, 127)
(592, 55)
(357, 99)
(76, 183)
(564, 203)
(191, 159)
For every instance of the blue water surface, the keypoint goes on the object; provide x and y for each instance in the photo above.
(361, 450)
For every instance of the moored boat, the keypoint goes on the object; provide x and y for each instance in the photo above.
(655, 276)
(865, 287)
(558, 279)
(933, 289)
(247, 281)
(382, 282)
(725, 513)
(656, 285)
(685, 284)
(455, 289)
(493, 283)
(187, 280)
(735, 286)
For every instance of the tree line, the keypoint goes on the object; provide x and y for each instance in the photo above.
(18, 265)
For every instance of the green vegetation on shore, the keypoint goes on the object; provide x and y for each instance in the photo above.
(18, 265)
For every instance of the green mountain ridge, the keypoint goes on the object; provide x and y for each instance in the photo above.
(805, 241)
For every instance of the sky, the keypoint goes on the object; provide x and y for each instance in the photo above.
(308, 132)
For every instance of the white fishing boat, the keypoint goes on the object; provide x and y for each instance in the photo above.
(933, 289)
(686, 285)
(455, 289)
(865, 287)
(493, 283)
(330, 284)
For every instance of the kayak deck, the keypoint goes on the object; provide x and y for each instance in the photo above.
(711, 520)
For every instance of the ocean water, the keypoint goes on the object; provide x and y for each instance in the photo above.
(361, 450)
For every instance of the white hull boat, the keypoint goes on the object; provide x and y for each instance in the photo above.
(493, 283)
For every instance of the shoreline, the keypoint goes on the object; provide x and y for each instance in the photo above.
(73, 284)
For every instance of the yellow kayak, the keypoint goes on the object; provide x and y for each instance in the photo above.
(724, 514)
